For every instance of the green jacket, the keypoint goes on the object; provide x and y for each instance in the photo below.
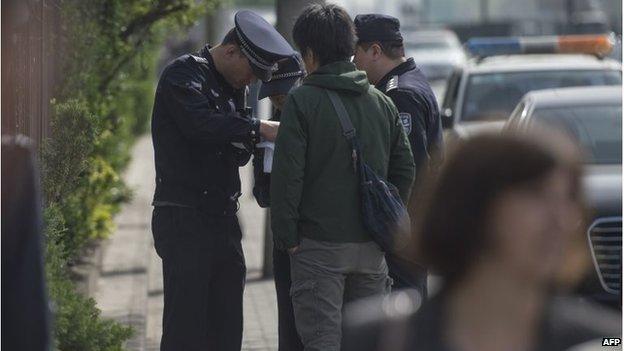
(314, 190)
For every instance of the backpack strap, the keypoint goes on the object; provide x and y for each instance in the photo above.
(347, 127)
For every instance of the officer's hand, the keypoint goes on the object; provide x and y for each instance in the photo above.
(292, 250)
(268, 130)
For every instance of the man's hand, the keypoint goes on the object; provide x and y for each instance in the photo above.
(292, 250)
(268, 129)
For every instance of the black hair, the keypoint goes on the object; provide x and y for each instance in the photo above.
(327, 31)
(393, 49)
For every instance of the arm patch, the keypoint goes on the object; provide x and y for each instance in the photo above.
(406, 121)
(392, 84)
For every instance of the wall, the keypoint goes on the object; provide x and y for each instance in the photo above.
(30, 43)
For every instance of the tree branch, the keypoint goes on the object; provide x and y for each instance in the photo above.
(113, 72)
(150, 17)
(141, 25)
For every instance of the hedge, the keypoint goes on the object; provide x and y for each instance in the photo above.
(110, 52)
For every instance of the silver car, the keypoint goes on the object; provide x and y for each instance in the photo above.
(593, 117)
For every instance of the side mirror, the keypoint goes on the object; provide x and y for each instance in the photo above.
(447, 118)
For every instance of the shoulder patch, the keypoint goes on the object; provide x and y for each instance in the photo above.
(199, 59)
(392, 84)
(406, 121)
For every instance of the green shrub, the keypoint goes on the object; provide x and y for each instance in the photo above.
(104, 103)
(73, 131)
(85, 189)
(77, 322)
(88, 211)
(78, 325)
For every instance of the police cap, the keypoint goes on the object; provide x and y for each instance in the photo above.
(376, 27)
(284, 79)
(261, 43)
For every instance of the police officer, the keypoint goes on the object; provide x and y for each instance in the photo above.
(381, 54)
(284, 79)
(202, 134)
(287, 76)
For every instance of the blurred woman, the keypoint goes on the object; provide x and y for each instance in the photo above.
(502, 226)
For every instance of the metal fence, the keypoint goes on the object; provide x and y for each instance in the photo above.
(31, 42)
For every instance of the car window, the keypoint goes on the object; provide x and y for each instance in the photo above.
(492, 96)
(598, 128)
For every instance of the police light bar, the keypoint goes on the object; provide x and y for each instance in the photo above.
(599, 45)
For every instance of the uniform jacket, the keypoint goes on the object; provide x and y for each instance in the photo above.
(314, 190)
(194, 124)
(418, 109)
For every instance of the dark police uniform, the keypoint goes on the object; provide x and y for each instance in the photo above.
(197, 131)
(418, 109)
(283, 80)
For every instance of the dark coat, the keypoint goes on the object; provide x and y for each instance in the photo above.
(194, 125)
(25, 310)
(418, 109)
(314, 190)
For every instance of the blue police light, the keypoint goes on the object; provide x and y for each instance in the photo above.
(493, 46)
(599, 45)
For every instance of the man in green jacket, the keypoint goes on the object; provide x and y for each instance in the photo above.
(315, 212)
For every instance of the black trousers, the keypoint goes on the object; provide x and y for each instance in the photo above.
(288, 339)
(407, 275)
(204, 278)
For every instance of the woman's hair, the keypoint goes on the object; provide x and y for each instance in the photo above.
(327, 31)
(457, 200)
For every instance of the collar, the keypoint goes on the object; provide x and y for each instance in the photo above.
(406, 66)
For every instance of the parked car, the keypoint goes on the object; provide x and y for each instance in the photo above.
(437, 53)
(481, 95)
(593, 117)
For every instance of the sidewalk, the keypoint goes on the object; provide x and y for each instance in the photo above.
(129, 288)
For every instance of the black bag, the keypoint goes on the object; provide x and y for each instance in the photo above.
(382, 209)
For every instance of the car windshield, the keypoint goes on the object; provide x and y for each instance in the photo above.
(597, 128)
(492, 96)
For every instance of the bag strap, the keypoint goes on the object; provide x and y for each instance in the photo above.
(347, 127)
(345, 122)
